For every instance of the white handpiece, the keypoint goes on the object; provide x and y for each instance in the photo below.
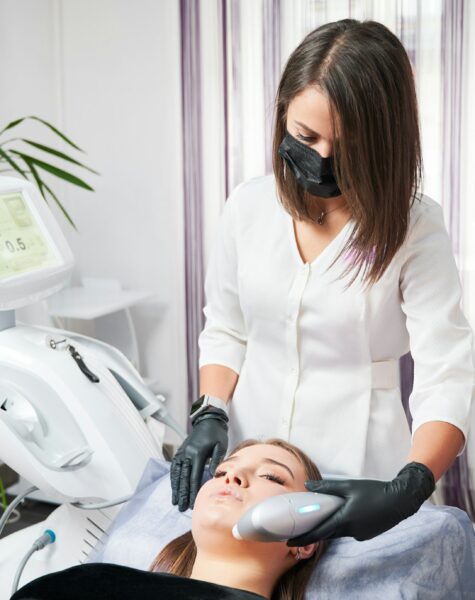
(285, 516)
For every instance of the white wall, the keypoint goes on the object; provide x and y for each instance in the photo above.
(108, 74)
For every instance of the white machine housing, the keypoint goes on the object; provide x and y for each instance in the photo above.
(72, 438)
(76, 419)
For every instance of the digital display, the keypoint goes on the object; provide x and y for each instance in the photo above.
(23, 244)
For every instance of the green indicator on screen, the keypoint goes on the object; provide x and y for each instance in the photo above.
(23, 245)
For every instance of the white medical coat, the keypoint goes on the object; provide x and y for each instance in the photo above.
(318, 366)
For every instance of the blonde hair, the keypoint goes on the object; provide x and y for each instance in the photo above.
(179, 555)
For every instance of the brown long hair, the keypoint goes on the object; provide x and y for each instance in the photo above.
(363, 70)
(178, 556)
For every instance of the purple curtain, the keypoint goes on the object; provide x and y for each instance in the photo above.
(272, 66)
(192, 186)
(224, 40)
(456, 482)
(231, 28)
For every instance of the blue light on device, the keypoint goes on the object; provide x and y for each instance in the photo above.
(308, 508)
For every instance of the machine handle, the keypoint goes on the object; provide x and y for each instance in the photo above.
(82, 365)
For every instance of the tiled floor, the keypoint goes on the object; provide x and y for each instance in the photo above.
(31, 511)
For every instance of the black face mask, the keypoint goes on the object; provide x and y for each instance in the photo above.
(312, 172)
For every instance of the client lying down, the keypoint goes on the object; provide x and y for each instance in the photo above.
(208, 562)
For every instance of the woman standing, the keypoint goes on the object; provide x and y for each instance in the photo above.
(323, 274)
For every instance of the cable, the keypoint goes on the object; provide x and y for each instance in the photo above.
(19, 572)
(13, 504)
(48, 537)
(99, 505)
(167, 419)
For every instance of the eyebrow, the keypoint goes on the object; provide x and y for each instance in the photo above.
(264, 460)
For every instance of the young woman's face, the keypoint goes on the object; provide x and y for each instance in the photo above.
(308, 120)
(249, 476)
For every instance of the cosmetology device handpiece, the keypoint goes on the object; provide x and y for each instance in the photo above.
(285, 516)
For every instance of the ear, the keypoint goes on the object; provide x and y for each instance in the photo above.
(304, 551)
(309, 550)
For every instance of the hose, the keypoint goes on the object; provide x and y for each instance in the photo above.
(13, 504)
(99, 505)
(48, 537)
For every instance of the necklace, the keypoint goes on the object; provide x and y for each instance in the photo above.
(324, 213)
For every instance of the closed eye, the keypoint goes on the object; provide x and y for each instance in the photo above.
(305, 138)
(275, 478)
(269, 476)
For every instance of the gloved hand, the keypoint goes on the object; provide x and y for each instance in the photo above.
(371, 506)
(208, 438)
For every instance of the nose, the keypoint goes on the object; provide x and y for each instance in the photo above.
(324, 148)
(236, 476)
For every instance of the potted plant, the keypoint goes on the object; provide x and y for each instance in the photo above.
(31, 167)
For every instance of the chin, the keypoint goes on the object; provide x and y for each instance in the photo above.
(213, 529)
(218, 515)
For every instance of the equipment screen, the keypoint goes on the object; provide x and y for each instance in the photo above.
(24, 246)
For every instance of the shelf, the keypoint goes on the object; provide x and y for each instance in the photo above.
(92, 302)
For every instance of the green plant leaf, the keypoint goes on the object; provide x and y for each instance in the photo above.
(43, 186)
(53, 129)
(11, 162)
(61, 207)
(3, 143)
(3, 496)
(58, 154)
(37, 178)
(54, 170)
(13, 124)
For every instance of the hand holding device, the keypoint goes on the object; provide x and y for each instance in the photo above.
(371, 506)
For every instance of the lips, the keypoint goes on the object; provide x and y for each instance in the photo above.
(228, 491)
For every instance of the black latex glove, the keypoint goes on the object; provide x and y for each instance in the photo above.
(208, 438)
(371, 506)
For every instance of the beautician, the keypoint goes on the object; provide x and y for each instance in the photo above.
(322, 275)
